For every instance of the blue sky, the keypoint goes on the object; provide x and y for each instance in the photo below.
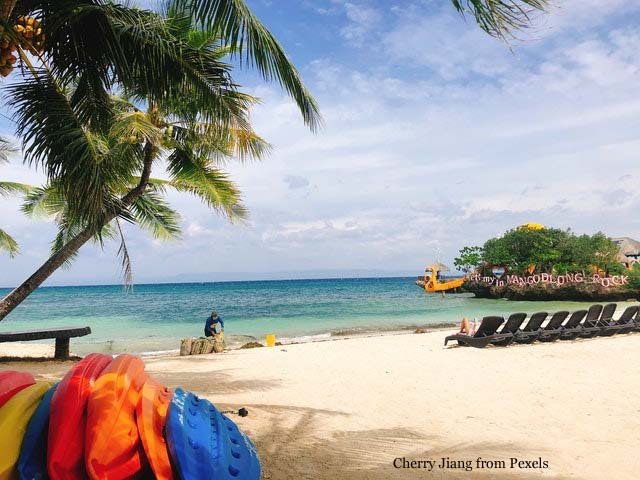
(436, 136)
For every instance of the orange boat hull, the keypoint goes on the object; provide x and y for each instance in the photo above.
(151, 417)
(113, 450)
(437, 286)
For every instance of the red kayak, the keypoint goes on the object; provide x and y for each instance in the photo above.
(113, 449)
(151, 416)
(67, 421)
(11, 382)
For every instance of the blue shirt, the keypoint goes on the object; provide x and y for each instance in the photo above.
(211, 322)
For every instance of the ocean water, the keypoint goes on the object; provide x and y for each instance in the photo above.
(154, 318)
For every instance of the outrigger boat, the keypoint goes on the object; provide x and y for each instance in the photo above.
(432, 282)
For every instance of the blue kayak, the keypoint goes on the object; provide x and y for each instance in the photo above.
(205, 444)
(32, 463)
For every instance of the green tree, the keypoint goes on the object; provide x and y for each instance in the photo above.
(519, 248)
(496, 253)
(634, 278)
(470, 258)
(550, 250)
(604, 251)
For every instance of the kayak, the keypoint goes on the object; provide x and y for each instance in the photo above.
(14, 418)
(112, 447)
(151, 415)
(32, 462)
(243, 451)
(203, 443)
(68, 418)
(11, 382)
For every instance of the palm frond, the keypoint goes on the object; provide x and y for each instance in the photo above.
(135, 127)
(220, 143)
(8, 244)
(85, 164)
(66, 231)
(135, 51)
(502, 18)
(239, 29)
(152, 213)
(123, 253)
(11, 188)
(211, 185)
(54, 138)
(44, 201)
(6, 148)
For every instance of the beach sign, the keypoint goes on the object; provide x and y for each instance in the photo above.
(497, 271)
(557, 280)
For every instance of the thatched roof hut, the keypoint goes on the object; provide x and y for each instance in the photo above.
(437, 267)
(629, 253)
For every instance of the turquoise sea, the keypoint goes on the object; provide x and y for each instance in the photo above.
(155, 317)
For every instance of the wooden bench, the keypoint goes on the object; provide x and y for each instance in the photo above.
(62, 336)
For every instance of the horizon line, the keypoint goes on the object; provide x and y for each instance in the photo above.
(218, 281)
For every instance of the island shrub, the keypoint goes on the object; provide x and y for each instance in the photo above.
(470, 259)
(525, 250)
(634, 278)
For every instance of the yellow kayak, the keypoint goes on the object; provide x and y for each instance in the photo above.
(14, 418)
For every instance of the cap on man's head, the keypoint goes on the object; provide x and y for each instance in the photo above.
(214, 314)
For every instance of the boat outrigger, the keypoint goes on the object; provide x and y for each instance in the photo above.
(432, 282)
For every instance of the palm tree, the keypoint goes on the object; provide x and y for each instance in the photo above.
(7, 243)
(192, 151)
(191, 108)
(137, 51)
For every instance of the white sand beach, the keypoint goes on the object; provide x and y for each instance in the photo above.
(348, 408)
(22, 350)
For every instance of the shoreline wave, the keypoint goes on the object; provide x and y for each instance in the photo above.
(236, 342)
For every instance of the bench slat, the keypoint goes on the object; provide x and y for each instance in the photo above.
(44, 334)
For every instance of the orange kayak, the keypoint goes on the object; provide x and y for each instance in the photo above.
(11, 382)
(67, 421)
(151, 416)
(113, 449)
(14, 419)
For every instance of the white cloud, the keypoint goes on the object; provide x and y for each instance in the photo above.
(361, 20)
(295, 181)
(440, 43)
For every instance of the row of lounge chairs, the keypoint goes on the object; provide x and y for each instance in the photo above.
(598, 320)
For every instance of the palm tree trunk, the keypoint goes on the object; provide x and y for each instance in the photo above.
(56, 260)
